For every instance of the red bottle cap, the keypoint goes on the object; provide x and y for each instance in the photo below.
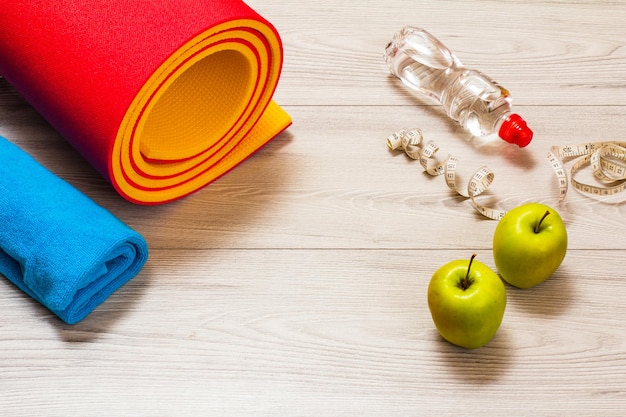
(515, 130)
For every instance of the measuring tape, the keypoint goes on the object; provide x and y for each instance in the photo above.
(607, 160)
(412, 143)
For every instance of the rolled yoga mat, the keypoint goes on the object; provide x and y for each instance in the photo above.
(161, 97)
(56, 244)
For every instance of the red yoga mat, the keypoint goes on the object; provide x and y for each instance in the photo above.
(161, 97)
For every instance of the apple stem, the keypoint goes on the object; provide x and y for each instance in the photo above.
(466, 282)
(538, 226)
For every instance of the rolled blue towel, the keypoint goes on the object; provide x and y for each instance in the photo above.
(56, 244)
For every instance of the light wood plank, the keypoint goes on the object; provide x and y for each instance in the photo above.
(545, 53)
(302, 332)
(322, 186)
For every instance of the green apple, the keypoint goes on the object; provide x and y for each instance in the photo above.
(467, 300)
(529, 244)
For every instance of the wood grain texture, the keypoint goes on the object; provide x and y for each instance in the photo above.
(296, 284)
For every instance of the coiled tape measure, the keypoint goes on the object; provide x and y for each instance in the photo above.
(606, 159)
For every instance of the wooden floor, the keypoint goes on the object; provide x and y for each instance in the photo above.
(296, 284)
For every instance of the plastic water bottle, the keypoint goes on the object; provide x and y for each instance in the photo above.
(468, 96)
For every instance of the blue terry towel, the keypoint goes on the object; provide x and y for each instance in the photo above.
(56, 244)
